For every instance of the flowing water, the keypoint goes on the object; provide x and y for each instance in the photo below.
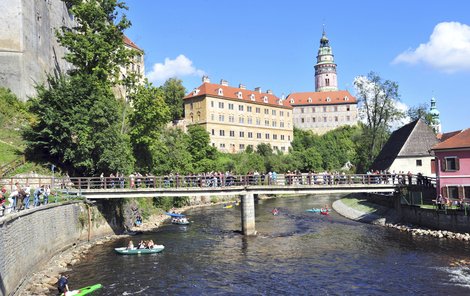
(294, 253)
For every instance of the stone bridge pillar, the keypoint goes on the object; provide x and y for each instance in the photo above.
(248, 214)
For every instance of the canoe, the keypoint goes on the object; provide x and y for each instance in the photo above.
(175, 215)
(135, 251)
(317, 210)
(83, 291)
(228, 206)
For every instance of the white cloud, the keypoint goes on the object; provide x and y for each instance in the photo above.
(179, 67)
(448, 49)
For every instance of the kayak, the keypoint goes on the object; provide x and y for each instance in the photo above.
(317, 210)
(175, 215)
(228, 206)
(135, 251)
(83, 291)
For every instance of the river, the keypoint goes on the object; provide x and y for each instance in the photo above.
(294, 253)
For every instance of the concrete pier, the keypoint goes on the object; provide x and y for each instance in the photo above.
(248, 214)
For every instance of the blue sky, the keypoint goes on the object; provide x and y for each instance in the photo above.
(422, 45)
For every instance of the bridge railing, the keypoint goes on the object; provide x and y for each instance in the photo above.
(207, 181)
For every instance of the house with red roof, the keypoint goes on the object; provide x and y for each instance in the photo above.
(453, 164)
(237, 118)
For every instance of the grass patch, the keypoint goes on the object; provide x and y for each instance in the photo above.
(359, 204)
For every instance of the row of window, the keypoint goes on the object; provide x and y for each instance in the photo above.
(325, 109)
(231, 106)
(222, 146)
(250, 135)
(326, 119)
(456, 192)
(249, 120)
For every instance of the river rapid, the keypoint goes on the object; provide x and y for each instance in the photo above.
(294, 253)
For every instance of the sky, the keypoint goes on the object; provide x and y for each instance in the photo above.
(424, 46)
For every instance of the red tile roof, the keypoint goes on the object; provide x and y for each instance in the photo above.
(229, 92)
(460, 140)
(444, 136)
(320, 98)
(129, 42)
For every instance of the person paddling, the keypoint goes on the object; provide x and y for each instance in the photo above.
(63, 284)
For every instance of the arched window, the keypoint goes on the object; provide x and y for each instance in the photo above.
(221, 92)
(252, 97)
(240, 95)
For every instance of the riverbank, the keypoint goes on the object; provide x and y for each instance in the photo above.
(44, 282)
(363, 211)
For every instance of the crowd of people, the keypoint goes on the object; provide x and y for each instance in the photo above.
(143, 244)
(19, 197)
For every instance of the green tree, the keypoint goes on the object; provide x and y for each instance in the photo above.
(77, 127)
(377, 100)
(420, 111)
(171, 153)
(147, 120)
(199, 144)
(95, 44)
(264, 149)
(173, 93)
(78, 120)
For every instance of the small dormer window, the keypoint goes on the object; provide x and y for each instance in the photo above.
(292, 101)
(252, 97)
(328, 99)
(265, 99)
(195, 91)
(309, 100)
(221, 92)
(346, 98)
(279, 102)
(239, 95)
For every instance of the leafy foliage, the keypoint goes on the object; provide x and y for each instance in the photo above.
(95, 45)
(148, 118)
(378, 104)
(173, 93)
(77, 127)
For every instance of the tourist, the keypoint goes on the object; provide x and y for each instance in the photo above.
(26, 198)
(46, 193)
(130, 245)
(63, 284)
(37, 192)
(150, 244)
(141, 245)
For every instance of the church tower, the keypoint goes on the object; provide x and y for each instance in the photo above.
(436, 122)
(325, 69)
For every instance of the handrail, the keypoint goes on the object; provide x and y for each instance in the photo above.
(218, 180)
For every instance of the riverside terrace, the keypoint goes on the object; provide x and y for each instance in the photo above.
(246, 186)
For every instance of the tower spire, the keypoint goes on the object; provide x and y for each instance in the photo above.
(325, 68)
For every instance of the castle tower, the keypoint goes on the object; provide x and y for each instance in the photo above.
(325, 69)
(436, 122)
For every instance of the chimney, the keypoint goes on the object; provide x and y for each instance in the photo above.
(224, 82)
(258, 89)
(241, 86)
(269, 92)
(205, 79)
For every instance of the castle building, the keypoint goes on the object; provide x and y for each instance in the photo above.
(327, 108)
(237, 118)
(29, 50)
(136, 67)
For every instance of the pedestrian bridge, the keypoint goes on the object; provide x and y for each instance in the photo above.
(245, 186)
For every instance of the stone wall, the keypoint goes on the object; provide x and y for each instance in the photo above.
(29, 239)
(453, 220)
(28, 46)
